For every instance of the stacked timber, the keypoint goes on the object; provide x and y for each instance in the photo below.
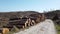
(23, 22)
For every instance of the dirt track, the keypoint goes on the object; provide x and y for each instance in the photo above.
(46, 27)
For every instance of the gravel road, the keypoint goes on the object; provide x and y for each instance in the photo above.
(45, 27)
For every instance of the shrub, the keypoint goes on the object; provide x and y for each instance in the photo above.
(14, 29)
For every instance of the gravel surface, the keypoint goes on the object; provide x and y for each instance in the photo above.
(45, 27)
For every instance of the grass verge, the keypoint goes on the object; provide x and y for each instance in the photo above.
(58, 29)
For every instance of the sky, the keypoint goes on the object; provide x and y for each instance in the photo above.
(29, 5)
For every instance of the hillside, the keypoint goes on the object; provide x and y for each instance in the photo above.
(16, 14)
(53, 15)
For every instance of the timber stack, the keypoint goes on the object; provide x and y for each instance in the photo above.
(20, 21)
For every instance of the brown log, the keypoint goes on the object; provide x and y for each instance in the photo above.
(29, 22)
(33, 22)
(5, 30)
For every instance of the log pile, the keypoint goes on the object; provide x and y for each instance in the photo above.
(25, 21)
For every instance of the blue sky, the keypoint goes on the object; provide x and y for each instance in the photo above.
(26, 5)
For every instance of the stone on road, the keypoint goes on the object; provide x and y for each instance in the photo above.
(45, 27)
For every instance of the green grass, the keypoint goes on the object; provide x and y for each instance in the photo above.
(58, 32)
(58, 29)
